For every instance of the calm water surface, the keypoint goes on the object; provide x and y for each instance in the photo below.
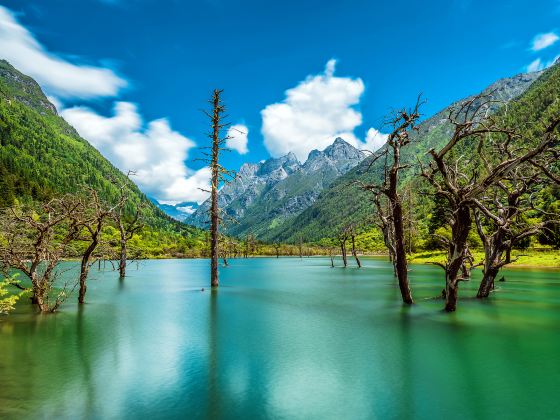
(285, 338)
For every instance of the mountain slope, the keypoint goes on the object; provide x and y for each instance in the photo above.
(266, 194)
(342, 203)
(41, 155)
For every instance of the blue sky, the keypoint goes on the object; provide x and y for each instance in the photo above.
(140, 70)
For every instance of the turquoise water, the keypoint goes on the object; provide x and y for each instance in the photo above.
(285, 338)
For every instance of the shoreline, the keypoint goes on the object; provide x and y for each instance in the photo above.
(546, 259)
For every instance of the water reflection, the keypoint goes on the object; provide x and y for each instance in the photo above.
(284, 338)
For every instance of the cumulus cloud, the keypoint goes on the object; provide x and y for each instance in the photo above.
(155, 151)
(238, 138)
(59, 77)
(542, 41)
(375, 139)
(314, 113)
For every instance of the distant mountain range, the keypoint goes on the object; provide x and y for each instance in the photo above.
(268, 193)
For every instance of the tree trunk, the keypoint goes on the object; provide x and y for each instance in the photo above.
(491, 269)
(355, 254)
(214, 210)
(487, 283)
(34, 296)
(122, 260)
(400, 262)
(84, 268)
(456, 255)
(39, 297)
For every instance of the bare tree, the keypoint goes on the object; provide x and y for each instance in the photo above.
(342, 239)
(462, 181)
(351, 232)
(385, 224)
(92, 222)
(218, 175)
(331, 256)
(127, 224)
(34, 244)
(501, 217)
(128, 227)
(403, 122)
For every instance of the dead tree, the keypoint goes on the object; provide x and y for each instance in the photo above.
(462, 181)
(128, 225)
(277, 246)
(342, 239)
(93, 220)
(403, 122)
(385, 224)
(218, 175)
(351, 233)
(35, 242)
(501, 216)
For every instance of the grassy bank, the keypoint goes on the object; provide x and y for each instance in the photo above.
(533, 258)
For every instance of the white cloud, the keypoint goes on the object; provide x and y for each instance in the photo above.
(375, 139)
(313, 114)
(58, 76)
(542, 41)
(238, 140)
(186, 209)
(155, 152)
(536, 65)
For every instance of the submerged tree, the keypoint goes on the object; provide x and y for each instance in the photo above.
(385, 224)
(91, 222)
(34, 241)
(218, 175)
(342, 239)
(502, 216)
(403, 122)
(127, 225)
(463, 181)
(351, 232)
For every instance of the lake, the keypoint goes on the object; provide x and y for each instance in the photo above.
(285, 338)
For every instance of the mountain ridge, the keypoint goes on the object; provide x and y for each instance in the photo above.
(280, 186)
(337, 206)
(42, 156)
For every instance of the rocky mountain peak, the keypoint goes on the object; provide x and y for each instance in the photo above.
(340, 155)
(286, 185)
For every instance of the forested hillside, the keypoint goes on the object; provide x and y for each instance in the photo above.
(42, 156)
